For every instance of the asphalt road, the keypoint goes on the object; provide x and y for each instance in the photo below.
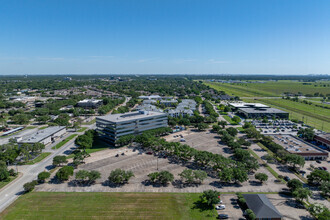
(30, 172)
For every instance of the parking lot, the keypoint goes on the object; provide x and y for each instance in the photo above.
(232, 208)
(286, 206)
(142, 164)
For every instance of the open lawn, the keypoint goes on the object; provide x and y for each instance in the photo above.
(57, 146)
(50, 205)
(271, 88)
(38, 158)
(5, 182)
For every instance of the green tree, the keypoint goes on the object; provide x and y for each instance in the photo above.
(59, 160)
(294, 184)
(301, 193)
(43, 176)
(119, 176)
(64, 173)
(307, 133)
(28, 187)
(236, 119)
(240, 175)
(262, 177)
(202, 126)
(4, 173)
(325, 189)
(318, 177)
(210, 196)
(232, 131)
(222, 124)
(226, 175)
(162, 177)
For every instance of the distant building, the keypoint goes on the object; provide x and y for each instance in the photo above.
(263, 112)
(297, 146)
(148, 107)
(323, 139)
(239, 105)
(169, 103)
(112, 127)
(185, 108)
(90, 103)
(262, 207)
(44, 136)
(67, 78)
(155, 97)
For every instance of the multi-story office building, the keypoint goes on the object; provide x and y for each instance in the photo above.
(112, 127)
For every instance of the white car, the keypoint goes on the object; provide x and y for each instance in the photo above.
(220, 207)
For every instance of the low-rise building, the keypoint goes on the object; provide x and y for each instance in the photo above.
(155, 97)
(323, 139)
(90, 103)
(300, 147)
(44, 136)
(185, 108)
(262, 207)
(239, 105)
(169, 102)
(263, 112)
(112, 127)
(148, 107)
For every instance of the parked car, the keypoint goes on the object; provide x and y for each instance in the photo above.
(223, 216)
(324, 168)
(318, 161)
(220, 207)
(286, 178)
(149, 153)
(183, 140)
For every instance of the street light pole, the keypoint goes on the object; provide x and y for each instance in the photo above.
(157, 163)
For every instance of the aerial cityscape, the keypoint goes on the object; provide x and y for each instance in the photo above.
(165, 110)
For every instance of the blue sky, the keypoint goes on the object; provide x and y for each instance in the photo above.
(165, 36)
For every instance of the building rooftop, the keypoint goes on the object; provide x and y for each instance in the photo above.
(261, 110)
(95, 101)
(261, 206)
(149, 97)
(130, 116)
(248, 105)
(325, 136)
(295, 145)
(41, 134)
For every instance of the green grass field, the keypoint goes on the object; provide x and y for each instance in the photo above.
(82, 129)
(38, 159)
(4, 183)
(50, 205)
(269, 89)
(57, 146)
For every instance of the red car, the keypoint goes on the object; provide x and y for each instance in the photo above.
(149, 153)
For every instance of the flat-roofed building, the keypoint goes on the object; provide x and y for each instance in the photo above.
(300, 147)
(44, 136)
(238, 105)
(112, 127)
(90, 103)
(323, 139)
(263, 112)
(155, 97)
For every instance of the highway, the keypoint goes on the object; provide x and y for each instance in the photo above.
(30, 172)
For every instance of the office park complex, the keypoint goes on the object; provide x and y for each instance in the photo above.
(162, 148)
(165, 110)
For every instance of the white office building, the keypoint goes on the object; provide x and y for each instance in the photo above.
(44, 136)
(112, 127)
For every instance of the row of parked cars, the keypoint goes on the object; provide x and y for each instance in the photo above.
(221, 207)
